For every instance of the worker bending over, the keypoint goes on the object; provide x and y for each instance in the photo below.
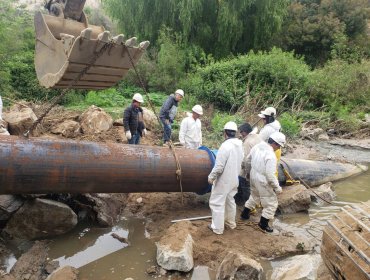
(133, 121)
(190, 134)
(264, 184)
(224, 180)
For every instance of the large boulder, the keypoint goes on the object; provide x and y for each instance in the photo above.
(239, 267)
(64, 273)
(41, 218)
(311, 133)
(95, 120)
(324, 191)
(297, 267)
(19, 119)
(8, 205)
(31, 265)
(175, 249)
(68, 128)
(106, 208)
(150, 120)
(295, 198)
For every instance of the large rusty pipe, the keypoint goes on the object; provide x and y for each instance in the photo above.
(55, 166)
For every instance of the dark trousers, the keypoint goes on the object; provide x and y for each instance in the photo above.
(135, 139)
(167, 131)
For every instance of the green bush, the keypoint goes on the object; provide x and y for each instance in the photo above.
(105, 98)
(269, 75)
(290, 124)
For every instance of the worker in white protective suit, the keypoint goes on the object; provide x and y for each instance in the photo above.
(264, 184)
(271, 124)
(224, 180)
(190, 134)
(3, 130)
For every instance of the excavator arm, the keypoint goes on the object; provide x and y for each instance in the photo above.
(66, 44)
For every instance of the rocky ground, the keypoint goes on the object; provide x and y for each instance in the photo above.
(246, 243)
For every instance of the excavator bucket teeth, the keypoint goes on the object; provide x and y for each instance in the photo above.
(65, 47)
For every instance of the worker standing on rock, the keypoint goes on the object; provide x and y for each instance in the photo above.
(190, 135)
(133, 121)
(224, 180)
(168, 113)
(271, 125)
(264, 184)
(250, 139)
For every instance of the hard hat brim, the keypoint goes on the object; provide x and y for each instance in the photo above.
(262, 116)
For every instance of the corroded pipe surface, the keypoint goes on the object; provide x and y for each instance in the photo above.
(55, 166)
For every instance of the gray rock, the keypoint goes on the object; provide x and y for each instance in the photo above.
(41, 218)
(8, 205)
(323, 137)
(118, 122)
(294, 199)
(311, 132)
(150, 119)
(175, 249)
(239, 267)
(68, 128)
(297, 267)
(106, 208)
(95, 120)
(19, 121)
(64, 273)
(325, 191)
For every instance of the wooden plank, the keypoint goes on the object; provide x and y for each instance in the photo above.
(341, 262)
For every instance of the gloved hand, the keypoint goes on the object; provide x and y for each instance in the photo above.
(210, 181)
(278, 190)
(145, 132)
(128, 135)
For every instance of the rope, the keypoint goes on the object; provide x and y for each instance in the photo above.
(70, 85)
(304, 183)
(171, 146)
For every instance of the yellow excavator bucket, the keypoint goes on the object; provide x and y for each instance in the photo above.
(65, 47)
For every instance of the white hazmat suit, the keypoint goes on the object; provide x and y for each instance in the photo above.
(264, 183)
(225, 177)
(269, 129)
(191, 133)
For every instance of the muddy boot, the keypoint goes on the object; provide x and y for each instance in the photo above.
(264, 225)
(245, 214)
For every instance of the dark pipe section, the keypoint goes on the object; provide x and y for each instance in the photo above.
(56, 166)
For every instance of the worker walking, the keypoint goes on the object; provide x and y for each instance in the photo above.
(168, 113)
(271, 125)
(264, 184)
(133, 121)
(250, 139)
(190, 135)
(224, 180)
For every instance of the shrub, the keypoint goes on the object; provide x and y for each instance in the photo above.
(291, 125)
(268, 76)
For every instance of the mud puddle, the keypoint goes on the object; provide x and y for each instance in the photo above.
(98, 255)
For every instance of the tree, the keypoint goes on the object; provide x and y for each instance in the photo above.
(219, 27)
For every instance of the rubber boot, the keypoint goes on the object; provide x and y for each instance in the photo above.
(264, 225)
(245, 214)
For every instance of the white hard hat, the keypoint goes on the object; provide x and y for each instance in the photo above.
(279, 138)
(231, 126)
(138, 97)
(197, 109)
(269, 111)
(180, 91)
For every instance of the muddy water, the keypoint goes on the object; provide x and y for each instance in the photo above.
(99, 256)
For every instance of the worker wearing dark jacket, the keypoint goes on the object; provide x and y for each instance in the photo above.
(133, 120)
(168, 113)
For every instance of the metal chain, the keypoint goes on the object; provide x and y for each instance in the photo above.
(171, 146)
(70, 85)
